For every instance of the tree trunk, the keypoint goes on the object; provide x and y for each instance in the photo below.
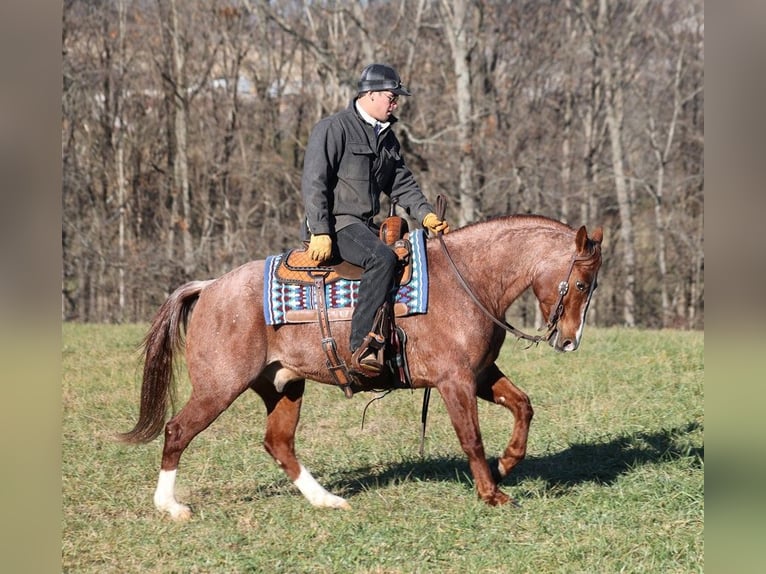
(120, 160)
(614, 116)
(614, 111)
(181, 166)
(662, 155)
(454, 16)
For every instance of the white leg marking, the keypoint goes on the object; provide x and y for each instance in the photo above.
(165, 498)
(315, 492)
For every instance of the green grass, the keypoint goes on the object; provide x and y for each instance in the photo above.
(613, 481)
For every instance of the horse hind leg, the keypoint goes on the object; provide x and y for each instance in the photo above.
(196, 415)
(283, 410)
(495, 387)
(165, 499)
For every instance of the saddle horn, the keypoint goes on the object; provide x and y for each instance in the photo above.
(393, 227)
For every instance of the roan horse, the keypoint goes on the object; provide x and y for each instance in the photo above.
(475, 273)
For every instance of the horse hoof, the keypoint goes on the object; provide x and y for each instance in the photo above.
(182, 514)
(509, 501)
(178, 512)
(332, 501)
(499, 498)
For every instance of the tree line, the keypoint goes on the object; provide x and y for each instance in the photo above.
(184, 126)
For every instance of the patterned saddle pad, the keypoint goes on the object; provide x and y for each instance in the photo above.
(290, 303)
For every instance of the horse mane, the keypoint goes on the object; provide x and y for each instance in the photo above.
(518, 222)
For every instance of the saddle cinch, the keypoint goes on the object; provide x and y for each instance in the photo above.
(296, 267)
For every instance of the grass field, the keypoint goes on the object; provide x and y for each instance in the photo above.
(613, 481)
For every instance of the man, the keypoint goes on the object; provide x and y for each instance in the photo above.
(351, 158)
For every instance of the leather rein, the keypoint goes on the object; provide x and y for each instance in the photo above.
(556, 311)
(504, 324)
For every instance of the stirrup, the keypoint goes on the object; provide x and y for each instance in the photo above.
(369, 358)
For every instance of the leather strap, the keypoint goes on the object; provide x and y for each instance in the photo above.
(336, 365)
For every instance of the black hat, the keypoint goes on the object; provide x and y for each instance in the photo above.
(379, 77)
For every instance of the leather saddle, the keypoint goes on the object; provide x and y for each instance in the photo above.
(297, 268)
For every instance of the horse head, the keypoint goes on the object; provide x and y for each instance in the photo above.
(564, 290)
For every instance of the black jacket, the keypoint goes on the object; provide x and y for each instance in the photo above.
(345, 170)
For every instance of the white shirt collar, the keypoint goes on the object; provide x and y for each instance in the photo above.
(369, 119)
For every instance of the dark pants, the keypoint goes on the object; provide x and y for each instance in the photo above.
(358, 244)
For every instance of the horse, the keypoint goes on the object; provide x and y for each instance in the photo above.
(475, 273)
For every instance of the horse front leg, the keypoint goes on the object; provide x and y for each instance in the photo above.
(460, 400)
(495, 387)
(279, 441)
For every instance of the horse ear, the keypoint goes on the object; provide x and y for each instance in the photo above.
(581, 241)
(598, 235)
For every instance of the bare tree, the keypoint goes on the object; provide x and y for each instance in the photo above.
(120, 164)
(178, 94)
(184, 126)
(611, 33)
(664, 101)
(458, 20)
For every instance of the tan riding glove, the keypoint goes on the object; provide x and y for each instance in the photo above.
(433, 223)
(320, 247)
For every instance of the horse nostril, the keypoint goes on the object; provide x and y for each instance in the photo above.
(568, 345)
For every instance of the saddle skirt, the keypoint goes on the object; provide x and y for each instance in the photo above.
(289, 291)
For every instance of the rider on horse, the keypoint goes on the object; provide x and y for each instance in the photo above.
(351, 158)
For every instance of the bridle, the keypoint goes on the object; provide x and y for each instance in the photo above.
(556, 311)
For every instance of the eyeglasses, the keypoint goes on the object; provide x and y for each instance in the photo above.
(392, 98)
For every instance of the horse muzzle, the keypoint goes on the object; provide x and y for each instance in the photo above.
(563, 344)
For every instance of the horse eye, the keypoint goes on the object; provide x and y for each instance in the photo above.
(581, 286)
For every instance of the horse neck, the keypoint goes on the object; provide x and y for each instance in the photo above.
(501, 258)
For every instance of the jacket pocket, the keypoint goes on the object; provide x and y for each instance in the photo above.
(356, 165)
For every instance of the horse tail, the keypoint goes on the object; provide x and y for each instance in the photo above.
(164, 338)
